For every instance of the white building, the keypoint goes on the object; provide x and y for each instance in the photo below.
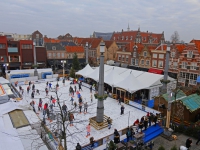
(16, 36)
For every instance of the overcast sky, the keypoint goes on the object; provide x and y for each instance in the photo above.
(83, 17)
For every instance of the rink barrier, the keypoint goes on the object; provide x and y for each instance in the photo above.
(24, 79)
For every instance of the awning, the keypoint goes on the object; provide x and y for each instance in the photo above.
(156, 71)
(198, 79)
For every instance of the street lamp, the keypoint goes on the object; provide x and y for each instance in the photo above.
(35, 60)
(63, 61)
(169, 109)
(86, 52)
(100, 103)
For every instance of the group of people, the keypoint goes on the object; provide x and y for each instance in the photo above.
(146, 121)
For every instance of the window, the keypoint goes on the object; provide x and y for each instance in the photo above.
(53, 48)
(122, 57)
(142, 62)
(18, 119)
(145, 53)
(126, 58)
(160, 64)
(49, 54)
(14, 58)
(54, 55)
(161, 56)
(131, 38)
(126, 37)
(155, 55)
(58, 55)
(173, 54)
(184, 65)
(193, 66)
(136, 62)
(147, 62)
(2, 46)
(63, 55)
(133, 61)
(189, 54)
(119, 57)
(175, 65)
(27, 46)
(122, 37)
(134, 54)
(154, 63)
(37, 35)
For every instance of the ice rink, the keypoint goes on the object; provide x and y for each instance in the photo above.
(77, 133)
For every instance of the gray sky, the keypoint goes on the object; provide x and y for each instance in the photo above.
(83, 17)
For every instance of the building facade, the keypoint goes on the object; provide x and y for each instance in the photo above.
(16, 36)
(37, 37)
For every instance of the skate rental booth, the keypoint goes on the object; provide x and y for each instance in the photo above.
(130, 85)
(27, 75)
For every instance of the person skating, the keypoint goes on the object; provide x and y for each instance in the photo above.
(32, 103)
(16, 83)
(72, 100)
(47, 84)
(28, 89)
(33, 87)
(116, 137)
(32, 95)
(79, 87)
(75, 88)
(71, 118)
(198, 137)
(122, 109)
(78, 147)
(109, 122)
(45, 109)
(88, 128)
(63, 82)
(48, 113)
(64, 108)
(50, 86)
(188, 143)
(51, 107)
(37, 92)
(29, 83)
(40, 104)
(46, 90)
(80, 107)
(91, 89)
(91, 98)
(85, 107)
(22, 91)
(120, 100)
(75, 105)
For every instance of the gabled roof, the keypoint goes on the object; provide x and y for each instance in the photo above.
(92, 42)
(191, 102)
(180, 47)
(108, 43)
(197, 43)
(54, 46)
(105, 36)
(49, 40)
(74, 49)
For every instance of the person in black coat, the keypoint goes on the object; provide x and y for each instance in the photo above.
(145, 123)
(198, 137)
(78, 146)
(155, 119)
(188, 143)
(116, 137)
(141, 126)
(122, 109)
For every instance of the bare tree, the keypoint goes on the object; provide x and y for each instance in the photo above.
(175, 37)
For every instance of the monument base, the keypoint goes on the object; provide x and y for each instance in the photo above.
(101, 125)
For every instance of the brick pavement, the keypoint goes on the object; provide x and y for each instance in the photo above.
(169, 144)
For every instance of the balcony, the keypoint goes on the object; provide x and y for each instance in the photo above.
(12, 50)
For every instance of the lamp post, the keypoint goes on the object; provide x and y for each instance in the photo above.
(169, 110)
(63, 61)
(35, 61)
(86, 52)
(100, 103)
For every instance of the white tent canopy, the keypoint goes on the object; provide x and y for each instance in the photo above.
(112, 78)
(131, 84)
(85, 71)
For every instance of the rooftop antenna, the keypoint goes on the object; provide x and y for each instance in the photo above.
(128, 29)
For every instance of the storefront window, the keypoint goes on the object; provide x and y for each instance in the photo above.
(14, 58)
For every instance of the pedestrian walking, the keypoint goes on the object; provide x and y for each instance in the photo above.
(128, 134)
(85, 107)
(150, 119)
(116, 136)
(122, 109)
(188, 143)
(88, 128)
(145, 123)
(71, 118)
(40, 104)
(92, 142)
(80, 107)
(198, 137)
(109, 122)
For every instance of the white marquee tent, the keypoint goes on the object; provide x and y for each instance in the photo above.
(85, 71)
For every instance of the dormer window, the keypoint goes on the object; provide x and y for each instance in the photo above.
(172, 54)
(53, 48)
(145, 54)
(126, 37)
(189, 54)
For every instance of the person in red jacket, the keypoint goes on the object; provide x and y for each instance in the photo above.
(45, 109)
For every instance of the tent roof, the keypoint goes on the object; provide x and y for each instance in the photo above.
(85, 71)
(180, 94)
(131, 84)
(112, 77)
